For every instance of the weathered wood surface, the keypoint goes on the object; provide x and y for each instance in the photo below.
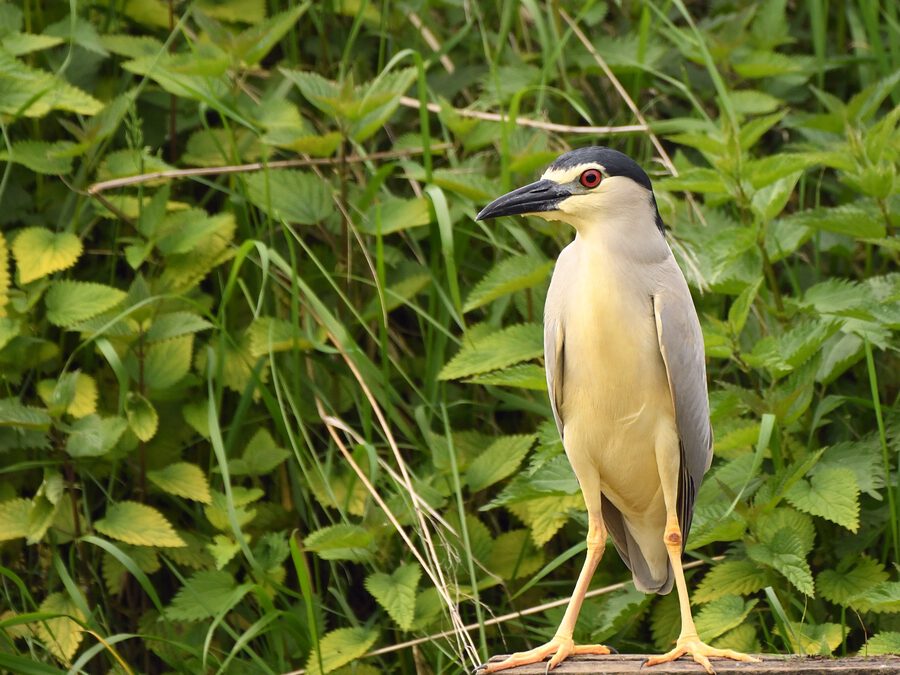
(771, 665)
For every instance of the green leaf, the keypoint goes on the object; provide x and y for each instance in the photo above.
(323, 94)
(498, 461)
(731, 577)
(14, 414)
(769, 523)
(396, 592)
(223, 549)
(769, 201)
(861, 220)
(70, 302)
(176, 324)
(524, 376)
(782, 354)
(182, 479)
(514, 555)
(14, 515)
(819, 640)
(33, 92)
(721, 615)
(379, 102)
(40, 252)
(342, 542)
(505, 347)
(138, 524)
(41, 156)
(260, 457)
(340, 647)
(204, 595)
(396, 215)
(268, 334)
(784, 552)
(252, 45)
(142, 416)
(94, 436)
(18, 44)
(167, 362)
(885, 597)
(507, 276)
(831, 494)
(294, 196)
(885, 642)
(842, 586)
(183, 231)
(61, 635)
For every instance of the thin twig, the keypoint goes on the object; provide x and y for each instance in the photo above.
(431, 41)
(128, 181)
(525, 122)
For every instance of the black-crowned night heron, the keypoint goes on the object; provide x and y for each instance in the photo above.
(627, 381)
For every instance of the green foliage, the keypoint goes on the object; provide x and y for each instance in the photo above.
(274, 417)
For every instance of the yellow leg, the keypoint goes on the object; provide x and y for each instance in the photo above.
(688, 641)
(562, 645)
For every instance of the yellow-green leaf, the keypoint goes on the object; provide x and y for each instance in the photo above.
(142, 416)
(396, 592)
(4, 277)
(61, 635)
(168, 361)
(502, 348)
(182, 479)
(14, 518)
(39, 252)
(138, 524)
(340, 647)
(498, 461)
(69, 302)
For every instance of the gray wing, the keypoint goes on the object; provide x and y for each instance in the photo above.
(554, 364)
(681, 345)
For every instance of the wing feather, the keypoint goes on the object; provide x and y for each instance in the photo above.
(681, 346)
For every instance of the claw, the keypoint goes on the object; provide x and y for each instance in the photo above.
(558, 649)
(700, 652)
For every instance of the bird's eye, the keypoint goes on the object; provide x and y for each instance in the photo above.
(590, 178)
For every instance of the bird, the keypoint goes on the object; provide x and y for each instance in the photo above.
(626, 376)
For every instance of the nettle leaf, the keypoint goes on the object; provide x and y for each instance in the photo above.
(861, 219)
(811, 639)
(323, 94)
(379, 102)
(260, 457)
(340, 647)
(545, 516)
(396, 592)
(32, 92)
(782, 354)
(14, 515)
(742, 639)
(39, 252)
(842, 586)
(731, 577)
(241, 497)
(498, 461)
(252, 45)
(831, 494)
(223, 548)
(115, 574)
(768, 523)
(294, 196)
(525, 376)
(342, 542)
(204, 595)
(514, 555)
(61, 635)
(505, 347)
(138, 524)
(885, 642)
(268, 334)
(142, 416)
(784, 553)
(70, 302)
(167, 362)
(885, 597)
(722, 615)
(41, 156)
(14, 414)
(182, 479)
(176, 324)
(94, 436)
(507, 276)
(393, 214)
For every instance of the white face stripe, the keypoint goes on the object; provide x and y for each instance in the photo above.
(567, 175)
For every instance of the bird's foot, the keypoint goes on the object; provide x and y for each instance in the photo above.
(700, 652)
(558, 649)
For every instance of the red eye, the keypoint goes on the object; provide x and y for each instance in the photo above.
(591, 178)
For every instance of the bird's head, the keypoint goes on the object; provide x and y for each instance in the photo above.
(589, 188)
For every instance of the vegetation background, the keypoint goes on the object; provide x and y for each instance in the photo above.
(293, 415)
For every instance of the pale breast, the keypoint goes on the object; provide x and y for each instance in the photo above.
(615, 391)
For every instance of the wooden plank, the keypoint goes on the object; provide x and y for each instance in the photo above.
(616, 664)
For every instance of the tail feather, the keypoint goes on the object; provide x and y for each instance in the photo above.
(646, 579)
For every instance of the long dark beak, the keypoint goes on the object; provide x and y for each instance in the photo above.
(544, 195)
